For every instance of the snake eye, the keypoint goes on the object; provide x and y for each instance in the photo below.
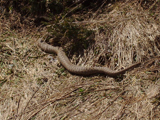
(40, 40)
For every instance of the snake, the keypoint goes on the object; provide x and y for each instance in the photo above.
(80, 70)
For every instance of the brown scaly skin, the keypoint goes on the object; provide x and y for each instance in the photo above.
(80, 70)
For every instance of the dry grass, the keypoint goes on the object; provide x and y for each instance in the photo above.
(33, 87)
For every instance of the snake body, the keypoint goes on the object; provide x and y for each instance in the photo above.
(80, 70)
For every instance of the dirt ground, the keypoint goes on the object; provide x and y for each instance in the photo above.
(35, 86)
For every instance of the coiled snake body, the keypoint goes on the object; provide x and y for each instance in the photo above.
(80, 70)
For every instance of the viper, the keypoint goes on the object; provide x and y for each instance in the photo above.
(80, 70)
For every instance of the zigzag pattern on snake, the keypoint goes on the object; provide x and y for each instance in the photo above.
(80, 70)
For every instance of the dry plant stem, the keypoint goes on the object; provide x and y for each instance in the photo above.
(119, 113)
(99, 9)
(29, 101)
(18, 104)
(80, 70)
(109, 105)
(152, 5)
(43, 105)
(47, 103)
(79, 3)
